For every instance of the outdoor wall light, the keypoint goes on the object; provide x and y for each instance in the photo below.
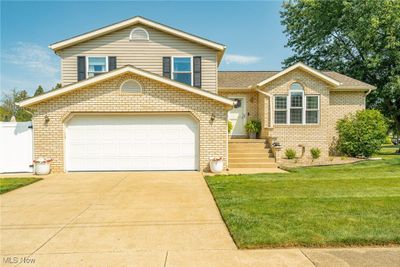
(46, 119)
(212, 117)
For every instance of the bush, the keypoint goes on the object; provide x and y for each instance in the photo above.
(388, 140)
(361, 134)
(315, 153)
(290, 153)
(230, 127)
(253, 126)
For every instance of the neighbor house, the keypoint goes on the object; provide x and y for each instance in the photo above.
(139, 95)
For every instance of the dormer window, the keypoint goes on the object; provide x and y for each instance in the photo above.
(139, 34)
(96, 66)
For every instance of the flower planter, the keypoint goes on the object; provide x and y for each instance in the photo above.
(216, 165)
(253, 135)
(42, 166)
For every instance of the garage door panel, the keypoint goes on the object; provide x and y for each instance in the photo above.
(138, 142)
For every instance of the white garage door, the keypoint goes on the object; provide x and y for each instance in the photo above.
(131, 142)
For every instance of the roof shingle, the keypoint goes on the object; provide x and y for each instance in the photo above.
(245, 79)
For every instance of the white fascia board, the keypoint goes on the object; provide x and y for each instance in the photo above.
(303, 67)
(117, 72)
(130, 22)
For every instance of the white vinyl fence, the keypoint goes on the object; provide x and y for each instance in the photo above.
(16, 148)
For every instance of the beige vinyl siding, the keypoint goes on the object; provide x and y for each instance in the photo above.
(142, 54)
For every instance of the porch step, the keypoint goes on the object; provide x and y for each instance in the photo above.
(250, 154)
(252, 160)
(233, 141)
(253, 165)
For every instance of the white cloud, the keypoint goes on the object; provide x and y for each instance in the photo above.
(36, 58)
(240, 59)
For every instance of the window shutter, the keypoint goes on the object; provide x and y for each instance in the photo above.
(112, 63)
(81, 68)
(167, 67)
(197, 72)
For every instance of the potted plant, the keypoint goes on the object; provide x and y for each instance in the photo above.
(253, 127)
(216, 164)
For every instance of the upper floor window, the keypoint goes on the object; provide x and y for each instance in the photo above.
(139, 34)
(96, 65)
(296, 108)
(182, 69)
(131, 86)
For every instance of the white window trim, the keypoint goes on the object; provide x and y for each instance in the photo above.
(281, 109)
(191, 68)
(318, 109)
(139, 28)
(87, 65)
(289, 104)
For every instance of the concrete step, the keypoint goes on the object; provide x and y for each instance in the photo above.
(253, 165)
(247, 150)
(250, 154)
(248, 145)
(251, 160)
(232, 141)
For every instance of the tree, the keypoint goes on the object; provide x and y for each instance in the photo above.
(58, 85)
(9, 107)
(362, 134)
(359, 38)
(39, 91)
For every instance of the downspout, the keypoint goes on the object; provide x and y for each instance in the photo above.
(365, 99)
(270, 124)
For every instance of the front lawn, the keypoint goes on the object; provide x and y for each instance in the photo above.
(8, 184)
(341, 205)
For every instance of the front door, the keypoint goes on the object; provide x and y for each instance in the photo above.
(238, 116)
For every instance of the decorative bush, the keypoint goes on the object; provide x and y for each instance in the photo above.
(290, 153)
(315, 152)
(361, 134)
(253, 126)
(230, 127)
(388, 140)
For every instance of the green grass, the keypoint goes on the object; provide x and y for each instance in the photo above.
(340, 205)
(8, 184)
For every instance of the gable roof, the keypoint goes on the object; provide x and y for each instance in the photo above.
(133, 21)
(250, 79)
(126, 69)
(304, 67)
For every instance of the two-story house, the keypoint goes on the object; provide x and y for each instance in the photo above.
(139, 95)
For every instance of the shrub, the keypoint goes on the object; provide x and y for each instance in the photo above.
(290, 153)
(253, 126)
(315, 152)
(388, 140)
(361, 134)
(230, 126)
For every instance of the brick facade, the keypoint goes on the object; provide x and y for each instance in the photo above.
(106, 97)
(333, 106)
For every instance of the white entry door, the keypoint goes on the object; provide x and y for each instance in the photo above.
(131, 142)
(237, 116)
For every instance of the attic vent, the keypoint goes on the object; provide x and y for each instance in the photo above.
(139, 34)
(131, 86)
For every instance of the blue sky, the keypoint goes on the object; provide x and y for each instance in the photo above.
(250, 30)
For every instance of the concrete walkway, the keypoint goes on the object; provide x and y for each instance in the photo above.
(139, 219)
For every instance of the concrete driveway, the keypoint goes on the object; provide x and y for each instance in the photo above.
(127, 219)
